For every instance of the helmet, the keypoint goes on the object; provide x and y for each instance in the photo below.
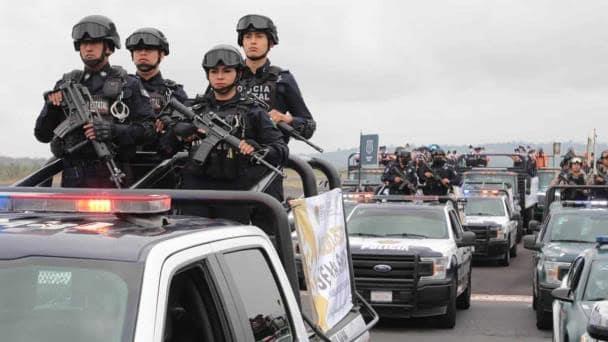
(398, 149)
(95, 27)
(404, 154)
(147, 37)
(223, 54)
(255, 22)
(433, 147)
(438, 153)
(576, 160)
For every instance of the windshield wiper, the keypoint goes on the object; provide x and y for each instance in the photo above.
(408, 235)
(365, 234)
(480, 214)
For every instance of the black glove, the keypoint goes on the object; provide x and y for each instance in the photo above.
(184, 129)
(166, 120)
(103, 130)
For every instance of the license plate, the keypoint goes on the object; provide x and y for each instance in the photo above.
(382, 296)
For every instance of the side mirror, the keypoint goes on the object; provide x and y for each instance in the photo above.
(563, 294)
(468, 239)
(534, 225)
(516, 216)
(598, 321)
(530, 242)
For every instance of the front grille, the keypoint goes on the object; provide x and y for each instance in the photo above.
(483, 234)
(401, 280)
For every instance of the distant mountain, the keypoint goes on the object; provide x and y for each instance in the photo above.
(338, 158)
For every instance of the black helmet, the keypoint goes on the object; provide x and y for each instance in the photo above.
(223, 54)
(438, 153)
(404, 154)
(398, 149)
(95, 27)
(255, 22)
(147, 37)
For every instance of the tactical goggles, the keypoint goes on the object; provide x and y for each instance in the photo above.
(576, 161)
(217, 57)
(144, 39)
(258, 22)
(90, 30)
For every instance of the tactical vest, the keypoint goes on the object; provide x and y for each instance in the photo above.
(112, 91)
(263, 88)
(225, 162)
(159, 99)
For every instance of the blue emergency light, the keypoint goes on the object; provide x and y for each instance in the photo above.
(601, 240)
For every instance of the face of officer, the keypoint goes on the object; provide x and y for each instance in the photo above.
(222, 79)
(147, 59)
(94, 54)
(256, 45)
(605, 159)
(576, 167)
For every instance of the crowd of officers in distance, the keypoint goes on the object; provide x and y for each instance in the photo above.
(577, 170)
(432, 171)
(251, 95)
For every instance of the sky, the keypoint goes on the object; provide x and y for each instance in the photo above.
(445, 72)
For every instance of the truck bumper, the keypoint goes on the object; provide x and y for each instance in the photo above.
(545, 299)
(491, 248)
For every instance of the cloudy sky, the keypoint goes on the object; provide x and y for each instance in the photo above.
(452, 71)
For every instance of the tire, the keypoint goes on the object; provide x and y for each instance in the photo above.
(544, 320)
(513, 250)
(448, 320)
(534, 301)
(463, 301)
(506, 259)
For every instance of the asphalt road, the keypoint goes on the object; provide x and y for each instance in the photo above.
(501, 309)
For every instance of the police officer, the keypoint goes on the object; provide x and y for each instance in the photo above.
(574, 176)
(602, 170)
(438, 178)
(126, 112)
(228, 168)
(149, 47)
(400, 174)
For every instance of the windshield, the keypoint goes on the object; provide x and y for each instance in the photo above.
(372, 176)
(491, 178)
(60, 300)
(597, 284)
(492, 206)
(578, 227)
(544, 179)
(398, 222)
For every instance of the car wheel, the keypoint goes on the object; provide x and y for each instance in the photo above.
(448, 320)
(464, 300)
(506, 259)
(534, 301)
(543, 319)
(513, 250)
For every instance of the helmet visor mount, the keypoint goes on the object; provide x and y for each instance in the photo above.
(217, 57)
(144, 39)
(255, 21)
(90, 30)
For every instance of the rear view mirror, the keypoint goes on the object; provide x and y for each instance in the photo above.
(562, 293)
(534, 225)
(516, 216)
(468, 239)
(598, 321)
(530, 242)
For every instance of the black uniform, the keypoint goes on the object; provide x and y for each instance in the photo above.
(396, 169)
(226, 168)
(82, 168)
(568, 178)
(433, 186)
(161, 90)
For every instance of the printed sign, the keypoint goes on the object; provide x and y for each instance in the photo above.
(322, 238)
(368, 150)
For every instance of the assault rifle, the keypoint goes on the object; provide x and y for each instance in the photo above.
(216, 130)
(76, 102)
(404, 182)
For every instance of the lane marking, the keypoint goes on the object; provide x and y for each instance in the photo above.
(501, 298)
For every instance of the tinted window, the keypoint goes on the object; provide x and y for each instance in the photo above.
(456, 228)
(577, 227)
(59, 300)
(258, 290)
(491, 178)
(397, 222)
(192, 314)
(597, 284)
(484, 207)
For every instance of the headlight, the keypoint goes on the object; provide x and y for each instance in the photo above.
(501, 232)
(585, 338)
(551, 271)
(440, 266)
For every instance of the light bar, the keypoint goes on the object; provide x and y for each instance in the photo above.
(602, 240)
(585, 204)
(84, 203)
(359, 196)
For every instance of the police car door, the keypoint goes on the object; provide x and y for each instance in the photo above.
(463, 254)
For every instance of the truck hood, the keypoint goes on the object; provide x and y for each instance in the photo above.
(391, 246)
(485, 220)
(564, 251)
